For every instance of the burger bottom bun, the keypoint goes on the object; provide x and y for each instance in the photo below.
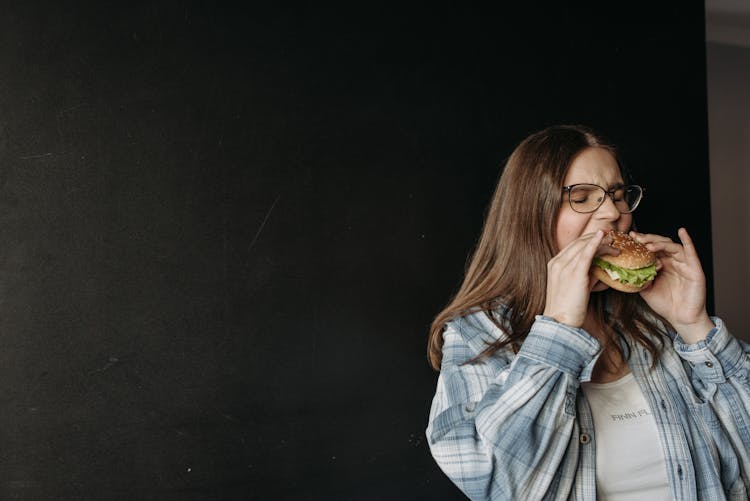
(604, 277)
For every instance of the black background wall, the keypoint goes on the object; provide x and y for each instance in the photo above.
(224, 231)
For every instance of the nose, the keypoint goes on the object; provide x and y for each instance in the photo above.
(608, 210)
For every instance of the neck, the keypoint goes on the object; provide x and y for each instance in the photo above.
(611, 365)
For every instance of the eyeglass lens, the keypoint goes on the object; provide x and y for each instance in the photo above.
(588, 198)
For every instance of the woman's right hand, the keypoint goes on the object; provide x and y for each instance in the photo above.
(569, 282)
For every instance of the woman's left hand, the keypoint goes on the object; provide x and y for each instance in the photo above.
(678, 293)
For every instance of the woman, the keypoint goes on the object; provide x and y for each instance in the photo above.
(553, 386)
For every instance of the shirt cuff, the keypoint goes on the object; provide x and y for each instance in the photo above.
(570, 349)
(715, 358)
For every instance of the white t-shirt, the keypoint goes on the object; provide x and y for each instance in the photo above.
(629, 458)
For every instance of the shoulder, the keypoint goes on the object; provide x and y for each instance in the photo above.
(467, 336)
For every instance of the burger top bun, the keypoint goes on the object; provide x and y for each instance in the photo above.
(632, 254)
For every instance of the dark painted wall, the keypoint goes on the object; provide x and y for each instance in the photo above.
(224, 231)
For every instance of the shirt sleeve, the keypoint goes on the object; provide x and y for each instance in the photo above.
(502, 428)
(720, 375)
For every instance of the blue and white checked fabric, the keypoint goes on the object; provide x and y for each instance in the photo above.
(517, 426)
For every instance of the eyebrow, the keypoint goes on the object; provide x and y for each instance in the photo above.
(612, 186)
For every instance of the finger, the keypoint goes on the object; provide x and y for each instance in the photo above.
(573, 250)
(645, 238)
(589, 251)
(670, 248)
(596, 239)
(581, 249)
(687, 243)
(607, 250)
(606, 246)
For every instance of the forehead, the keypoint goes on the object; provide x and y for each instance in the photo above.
(594, 165)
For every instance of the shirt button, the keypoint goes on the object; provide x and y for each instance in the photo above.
(585, 438)
(709, 364)
(471, 406)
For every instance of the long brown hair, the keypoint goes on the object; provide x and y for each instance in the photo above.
(509, 266)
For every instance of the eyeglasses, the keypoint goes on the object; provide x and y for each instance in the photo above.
(587, 198)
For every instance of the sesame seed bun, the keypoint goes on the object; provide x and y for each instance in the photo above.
(633, 255)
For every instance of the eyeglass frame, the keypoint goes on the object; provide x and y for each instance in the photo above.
(610, 193)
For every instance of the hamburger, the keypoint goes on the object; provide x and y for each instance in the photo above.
(631, 270)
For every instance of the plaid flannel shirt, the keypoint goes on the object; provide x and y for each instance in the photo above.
(518, 427)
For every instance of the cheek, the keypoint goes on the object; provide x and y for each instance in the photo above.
(570, 225)
(625, 223)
